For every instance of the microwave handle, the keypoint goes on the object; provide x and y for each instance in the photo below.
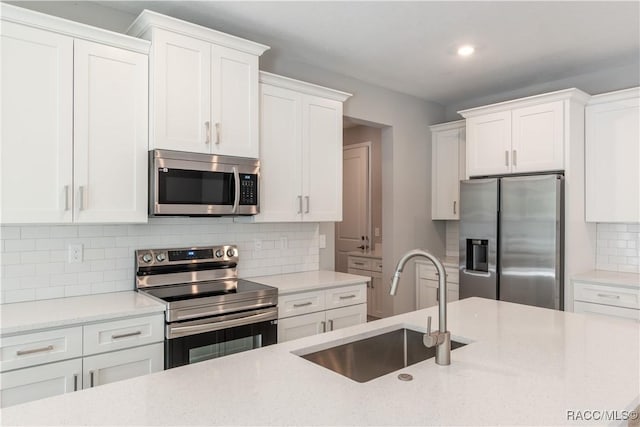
(236, 179)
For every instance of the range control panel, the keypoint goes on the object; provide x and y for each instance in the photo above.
(209, 254)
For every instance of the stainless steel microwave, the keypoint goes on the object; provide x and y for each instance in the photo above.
(197, 184)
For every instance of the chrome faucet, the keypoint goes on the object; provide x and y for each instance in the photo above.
(441, 338)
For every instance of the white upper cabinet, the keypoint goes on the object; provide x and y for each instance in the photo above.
(447, 169)
(613, 157)
(300, 151)
(520, 136)
(204, 87)
(74, 114)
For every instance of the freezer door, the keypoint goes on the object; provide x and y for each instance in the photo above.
(531, 230)
(478, 238)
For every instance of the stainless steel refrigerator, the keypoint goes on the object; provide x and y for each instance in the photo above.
(511, 239)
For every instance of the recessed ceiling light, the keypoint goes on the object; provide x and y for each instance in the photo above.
(466, 50)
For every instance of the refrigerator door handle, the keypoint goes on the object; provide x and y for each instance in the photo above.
(476, 273)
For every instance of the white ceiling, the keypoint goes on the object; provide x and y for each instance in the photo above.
(410, 46)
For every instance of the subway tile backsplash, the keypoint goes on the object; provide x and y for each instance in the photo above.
(34, 259)
(618, 247)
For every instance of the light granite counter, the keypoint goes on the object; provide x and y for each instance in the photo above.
(309, 281)
(54, 313)
(604, 277)
(523, 366)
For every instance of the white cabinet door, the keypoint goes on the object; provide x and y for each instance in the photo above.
(110, 134)
(301, 326)
(606, 310)
(37, 125)
(538, 138)
(346, 316)
(280, 155)
(25, 385)
(322, 159)
(181, 95)
(234, 96)
(489, 144)
(120, 365)
(612, 158)
(379, 294)
(427, 294)
(445, 185)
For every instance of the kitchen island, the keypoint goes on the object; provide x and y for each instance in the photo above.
(522, 365)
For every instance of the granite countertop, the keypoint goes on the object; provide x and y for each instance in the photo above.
(54, 313)
(309, 281)
(609, 278)
(523, 366)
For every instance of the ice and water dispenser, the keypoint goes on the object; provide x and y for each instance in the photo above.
(477, 255)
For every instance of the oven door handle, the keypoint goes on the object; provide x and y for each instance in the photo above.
(216, 325)
(236, 179)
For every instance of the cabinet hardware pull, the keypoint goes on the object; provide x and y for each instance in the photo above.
(35, 350)
(324, 326)
(348, 296)
(129, 334)
(307, 198)
(75, 382)
(66, 197)
(299, 204)
(454, 207)
(359, 263)
(217, 133)
(506, 157)
(207, 128)
(91, 375)
(609, 296)
(330, 325)
(304, 304)
(515, 158)
(82, 195)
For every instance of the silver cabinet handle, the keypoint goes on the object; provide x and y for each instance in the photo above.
(324, 326)
(514, 156)
(609, 296)
(34, 350)
(506, 157)
(359, 263)
(66, 197)
(91, 378)
(236, 200)
(454, 207)
(217, 133)
(129, 334)
(348, 296)
(299, 204)
(330, 325)
(307, 198)
(304, 304)
(207, 129)
(82, 195)
(75, 382)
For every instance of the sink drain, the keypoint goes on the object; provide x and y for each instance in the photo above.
(405, 377)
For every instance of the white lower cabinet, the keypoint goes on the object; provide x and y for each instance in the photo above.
(310, 313)
(427, 285)
(46, 363)
(608, 300)
(377, 294)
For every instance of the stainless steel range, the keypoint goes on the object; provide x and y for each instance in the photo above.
(210, 312)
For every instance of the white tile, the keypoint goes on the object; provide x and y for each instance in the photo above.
(35, 232)
(114, 230)
(76, 290)
(10, 283)
(625, 236)
(629, 268)
(103, 265)
(50, 292)
(58, 256)
(50, 268)
(9, 232)
(20, 270)
(93, 254)
(10, 258)
(102, 288)
(66, 279)
(102, 242)
(49, 244)
(117, 253)
(635, 228)
(19, 245)
(19, 295)
(33, 257)
(64, 231)
(90, 231)
(92, 277)
(77, 267)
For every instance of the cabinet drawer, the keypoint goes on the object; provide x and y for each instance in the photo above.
(348, 295)
(606, 310)
(36, 348)
(376, 265)
(302, 303)
(427, 271)
(121, 365)
(120, 334)
(359, 263)
(607, 295)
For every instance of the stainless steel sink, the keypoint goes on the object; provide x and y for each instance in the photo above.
(379, 355)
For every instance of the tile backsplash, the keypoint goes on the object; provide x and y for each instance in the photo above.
(618, 247)
(33, 259)
(452, 243)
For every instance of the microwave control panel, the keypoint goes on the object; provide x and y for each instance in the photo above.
(248, 189)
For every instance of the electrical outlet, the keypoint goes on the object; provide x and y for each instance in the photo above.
(75, 253)
(257, 244)
(284, 242)
(322, 240)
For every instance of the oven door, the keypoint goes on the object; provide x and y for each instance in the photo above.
(209, 338)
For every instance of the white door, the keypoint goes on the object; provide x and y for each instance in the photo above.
(446, 178)
(234, 98)
(37, 126)
(346, 316)
(181, 93)
(51, 379)
(120, 365)
(110, 134)
(280, 155)
(322, 159)
(537, 139)
(489, 144)
(296, 327)
(355, 204)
